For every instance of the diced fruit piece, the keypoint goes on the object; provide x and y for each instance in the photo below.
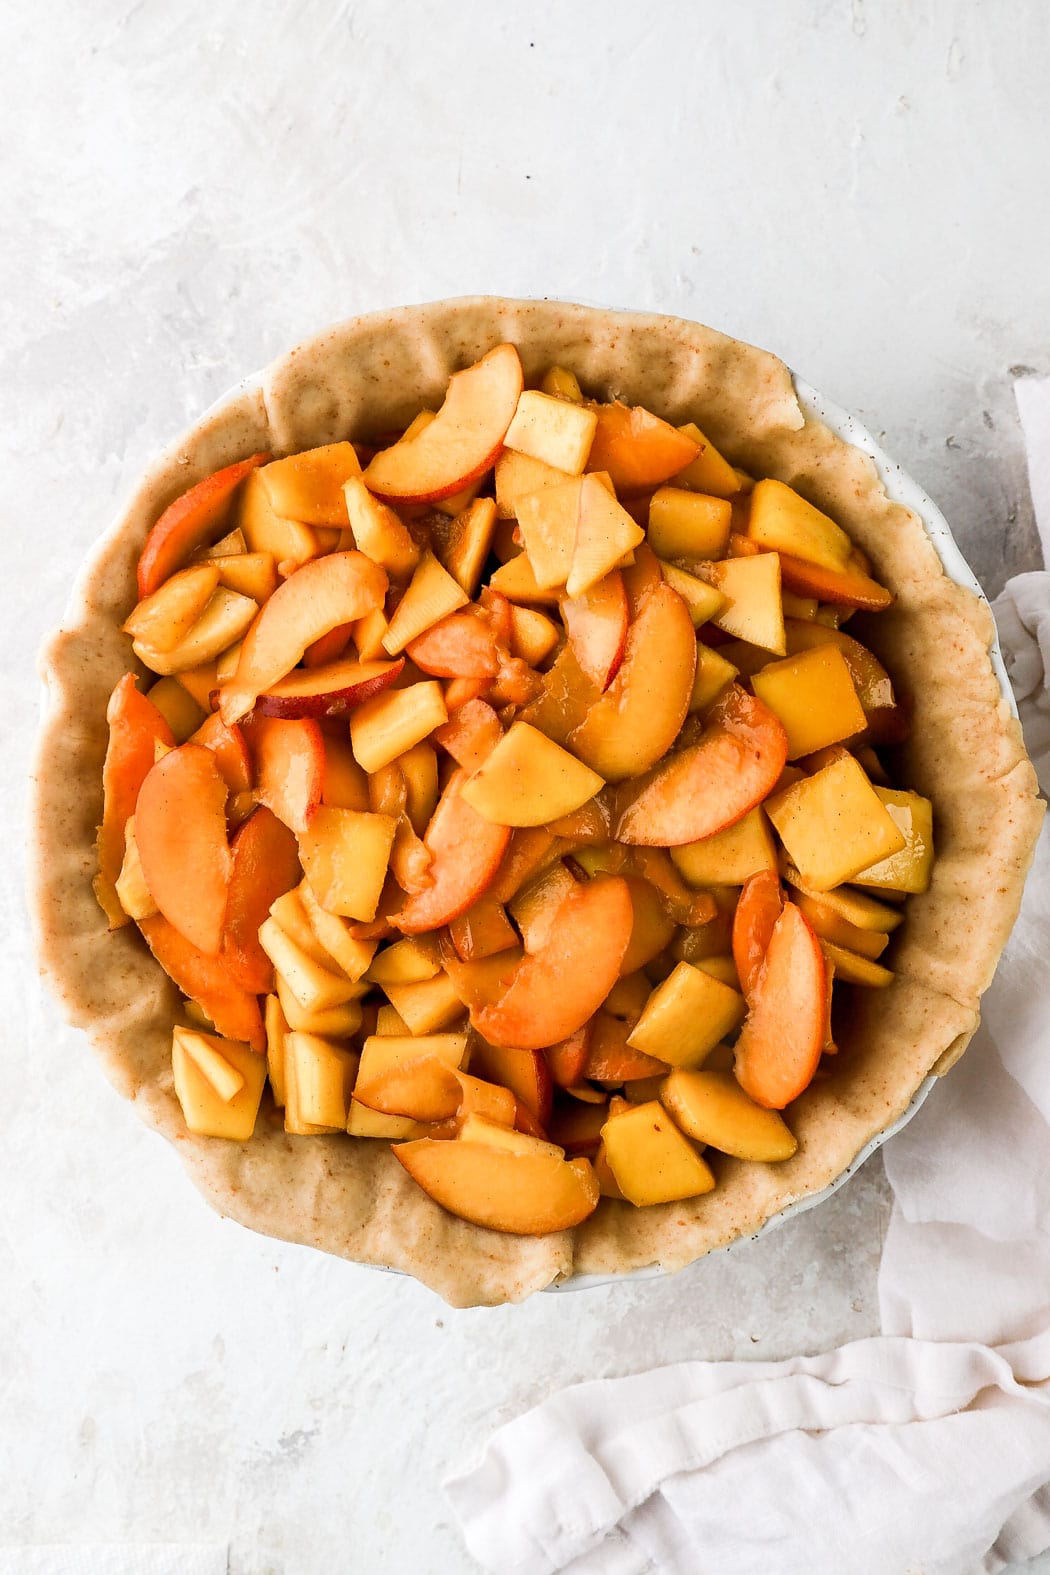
(711, 784)
(708, 472)
(178, 708)
(408, 961)
(535, 906)
(533, 637)
(276, 1032)
(711, 1107)
(650, 1159)
(482, 930)
(465, 850)
(866, 913)
(515, 580)
(132, 892)
(652, 929)
(760, 906)
(428, 1006)
(853, 969)
(369, 633)
(524, 1072)
(309, 486)
(911, 867)
(814, 697)
(782, 521)
(728, 857)
(553, 992)
(686, 1016)
(577, 1128)
(683, 904)
(751, 587)
(329, 591)
(265, 865)
(314, 986)
(289, 911)
(528, 780)
(471, 734)
(518, 475)
(596, 624)
(207, 980)
(328, 691)
(463, 439)
(548, 521)
(528, 1194)
(834, 825)
(568, 1059)
(200, 683)
(418, 767)
(251, 574)
(168, 614)
(638, 450)
(703, 601)
(605, 532)
(713, 673)
(871, 680)
(288, 541)
(779, 1046)
(563, 383)
(382, 1053)
(391, 723)
(192, 519)
(353, 956)
(463, 544)
(686, 524)
(319, 1077)
(338, 1022)
(432, 594)
(458, 646)
(345, 855)
(206, 1110)
(611, 1059)
(378, 532)
(289, 759)
(223, 621)
(640, 715)
(552, 430)
(180, 829)
(366, 1123)
(136, 727)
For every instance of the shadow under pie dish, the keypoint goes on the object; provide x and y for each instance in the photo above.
(367, 380)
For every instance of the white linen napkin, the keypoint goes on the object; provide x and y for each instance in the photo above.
(926, 1449)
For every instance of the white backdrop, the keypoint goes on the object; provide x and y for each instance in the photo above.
(189, 188)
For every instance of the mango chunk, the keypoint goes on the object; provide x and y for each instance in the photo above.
(815, 698)
(783, 521)
(205, 1109)
(319, 1076)
(345, 854)
(713, 673)
(755, 611)
(529, 780)
(909, 869)
(686, 1016)
(729, 857)
(684, 524)
(834, 824)
(650, 1160)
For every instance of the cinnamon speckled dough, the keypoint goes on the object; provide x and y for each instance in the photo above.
(352, 1197)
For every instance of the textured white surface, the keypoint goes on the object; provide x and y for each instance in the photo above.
(186, 191)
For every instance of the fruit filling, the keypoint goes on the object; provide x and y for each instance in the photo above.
(509, 790)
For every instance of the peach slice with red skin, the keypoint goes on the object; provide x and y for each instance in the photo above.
(463, 439)
(596, 625)
(465, 850)
(641, 713)
(180, 829)
(332, 690)
(471, 734)
(554, 991)
(265, 866)
(779, 1047)
(188, 522)
(460, 646)
(524, 1194)
(206, 980)
(711, 784)
(758, 908)
(638, 449)
(289, 758)
(319, 596)
(136, 727)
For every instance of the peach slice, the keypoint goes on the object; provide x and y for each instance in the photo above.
(567, 1060)
(781, 520)
(528, 780)
(526, 1194)
(136, 727)
(168, 614)
(230, 749)
(779, 1047)
(638, 450)
(653, 929)
(265, 866)
(207, 980)
(849, 587)
(533, 636)
(596, 624)
(471, 734)
(465, 850)
(711, 1107)
(463, 543)
(641, 713)
(759, 907)
(308, 487)
(553, 992)
(320, 596)
(463, 439)
(189, 522)
(713, 783)
(482, 931)
(427, 1089)
(577, 1128)
(331, 690)
(378, 532)
(289, 757)
(535, 907)
(180, 829)
(459, 646)
(524, 1072)
(565, 698)
(610, 1059)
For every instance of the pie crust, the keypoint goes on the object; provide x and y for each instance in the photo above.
(351, 1197)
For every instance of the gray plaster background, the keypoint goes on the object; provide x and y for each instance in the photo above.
(187, 189)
